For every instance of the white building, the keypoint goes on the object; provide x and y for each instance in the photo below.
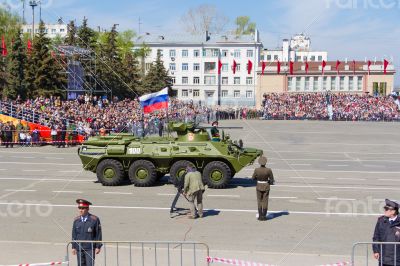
(193, 63)
(52, 30)
(298, 49)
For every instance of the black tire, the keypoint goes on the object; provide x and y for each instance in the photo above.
(217, 174)
(178, 170)
(142, 173)
(110, 172)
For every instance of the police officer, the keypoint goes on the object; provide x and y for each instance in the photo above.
(87, 227)
(387, 229)
(264, 178)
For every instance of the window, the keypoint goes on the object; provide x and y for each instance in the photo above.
(215, 52)
(319, 58)
(53, 31)
(249, 81)
(196, 80)
(298, 58)
(196, 53)
(333, 83)
(160, 51)
(341, 83)
(269, 57)
(237, 67)
(172, 66)
(224, 80)
(262, 57)
(62, 30)
(209, 67)
(185, 67)
(173, 80)
(185, 80)
(236, 81)
(209, 80)
(224, 94)
(224, 53)
(196, 93)
(351, 83)
(236, 53)
(185, 93)
(298, 83)
(249, 94)
(276, 57)
(325, 83)
(359, 83)
(185, 53)
(147, 66)
(307, 85)
(290, 83)
(312, 58)
(196, 67)
(304, 58)
(236, 94)
(316, 83)
(172, 53)
(225, 67)
(249, 53)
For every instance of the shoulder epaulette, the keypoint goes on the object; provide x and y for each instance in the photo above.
(76, 218)
(93, 217)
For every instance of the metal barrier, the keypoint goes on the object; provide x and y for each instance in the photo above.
(118, 253)
(389, 250)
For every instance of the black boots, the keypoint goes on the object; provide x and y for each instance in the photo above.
(262, 214)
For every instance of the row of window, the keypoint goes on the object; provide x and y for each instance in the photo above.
(53, 31)
(312, 58)
(212, 80)
(208, 67)
(224, 94)
(335, 83)
(209, 53)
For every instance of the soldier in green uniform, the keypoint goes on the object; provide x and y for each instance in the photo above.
(265, 179)
(215, 132)
(194, 188)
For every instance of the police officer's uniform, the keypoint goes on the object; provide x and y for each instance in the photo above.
(388, 230)
(86, 228)
(264, 178)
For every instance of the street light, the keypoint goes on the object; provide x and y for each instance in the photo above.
(33, 4)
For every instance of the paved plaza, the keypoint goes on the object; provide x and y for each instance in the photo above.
(331, 182)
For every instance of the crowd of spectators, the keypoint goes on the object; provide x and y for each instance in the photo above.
(337, 107)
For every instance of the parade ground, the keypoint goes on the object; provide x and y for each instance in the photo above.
(331, 182)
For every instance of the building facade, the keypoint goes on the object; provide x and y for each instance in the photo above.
(355, 78)
(52, 30)
(201, 67)
(297, 49)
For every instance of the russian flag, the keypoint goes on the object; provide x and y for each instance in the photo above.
(154, 101)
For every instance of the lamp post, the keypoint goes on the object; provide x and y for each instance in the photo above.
(33, 4)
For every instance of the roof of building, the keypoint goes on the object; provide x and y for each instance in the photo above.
(194, 39)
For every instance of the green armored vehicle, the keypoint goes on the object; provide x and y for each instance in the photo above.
(145, 160)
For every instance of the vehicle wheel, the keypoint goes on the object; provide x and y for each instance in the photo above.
(217, 174)
(178, 170)
(110, 172)
(142, 173)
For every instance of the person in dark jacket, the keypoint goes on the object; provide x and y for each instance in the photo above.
(62, 136)
(387, 229)
(86, 227)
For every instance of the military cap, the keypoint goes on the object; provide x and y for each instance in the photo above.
(391, 204)
(262, 160)
(83, 203)
(214, 123)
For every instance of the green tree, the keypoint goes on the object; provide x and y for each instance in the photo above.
(142, 53)
(131, 76)
(157, 77)
(17, 63)
(125, 43)
(86, 36)
(71, 39)
(244, 26)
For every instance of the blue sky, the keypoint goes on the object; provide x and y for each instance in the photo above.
(352, 29)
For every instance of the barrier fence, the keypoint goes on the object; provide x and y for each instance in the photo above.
(118, 253)
(363, 254)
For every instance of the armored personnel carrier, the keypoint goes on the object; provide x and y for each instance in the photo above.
(144, 160)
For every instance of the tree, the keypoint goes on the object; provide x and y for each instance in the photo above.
(130, 73)
(204, 18)
(157, 77)
(244, 26)
(70, 39)
(143, 52)
(16, 78)
(86, 36)
(125, 43)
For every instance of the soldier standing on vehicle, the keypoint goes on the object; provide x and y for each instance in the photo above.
(387, 229)
(193, 189)
(265, 179)
(215, 132)
(86, 227)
